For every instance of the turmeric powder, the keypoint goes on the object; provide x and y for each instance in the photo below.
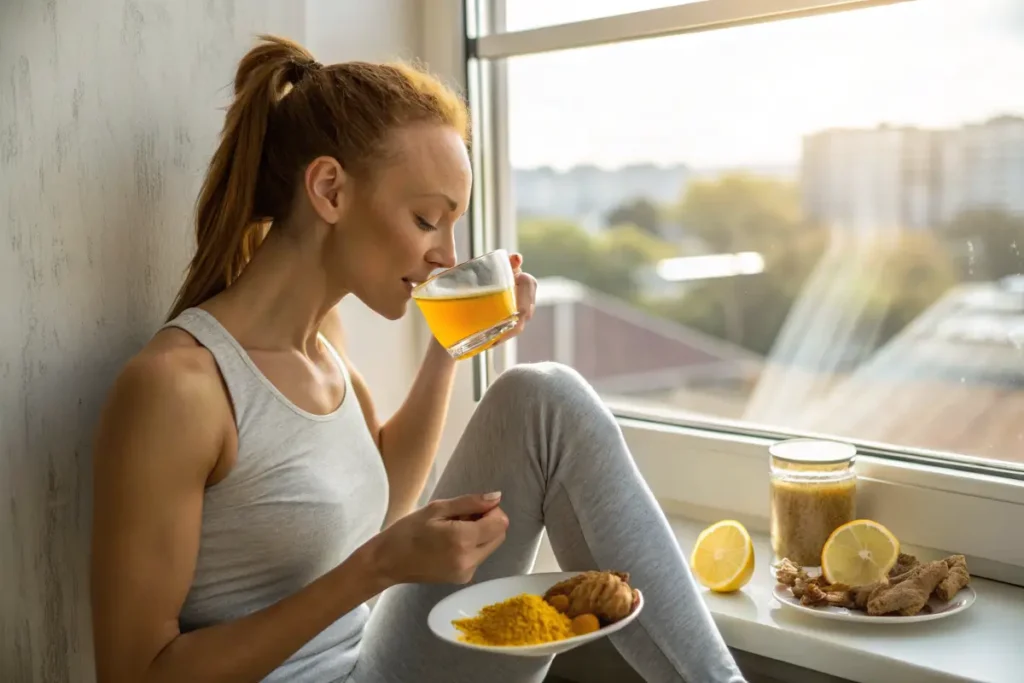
(522, 620)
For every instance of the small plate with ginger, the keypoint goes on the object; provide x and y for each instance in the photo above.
(913, 591)
(536, 615)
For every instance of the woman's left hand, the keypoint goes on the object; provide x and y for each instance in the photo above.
(526, 294)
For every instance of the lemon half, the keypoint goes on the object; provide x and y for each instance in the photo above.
(859, 553)
(723, 557)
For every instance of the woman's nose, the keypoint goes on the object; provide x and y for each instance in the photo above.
(443, 255)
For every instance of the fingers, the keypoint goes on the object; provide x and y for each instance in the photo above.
(465, 507)
(516, 260)
(489, 527)
(490, 531)
(487, 549)
(526, 295)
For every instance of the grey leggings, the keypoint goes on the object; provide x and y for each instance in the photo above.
(542, 436)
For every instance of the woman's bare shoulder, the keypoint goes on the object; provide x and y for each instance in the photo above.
(171, 389)
(173, 364)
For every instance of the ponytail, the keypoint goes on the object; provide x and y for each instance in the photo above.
(227, 230)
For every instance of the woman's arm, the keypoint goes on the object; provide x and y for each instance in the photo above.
(160, 438)
(410, 439)
(407, 442)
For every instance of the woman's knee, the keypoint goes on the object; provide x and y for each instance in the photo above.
(541, 381)
(565, 404)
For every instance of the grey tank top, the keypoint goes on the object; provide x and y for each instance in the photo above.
(305, 492)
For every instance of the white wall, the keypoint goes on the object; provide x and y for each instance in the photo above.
(376, 30)
(109, 111)
(385, 352)
(389, 353)
(442, 44)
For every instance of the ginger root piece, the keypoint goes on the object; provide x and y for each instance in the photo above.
(604, 594)
(813, 595)
(841, 598)
(862, 594)
(910, 595)
(566, 587)
(788, 573)
(957, 578)
(607, 595)
(816, 591)
(904, 563)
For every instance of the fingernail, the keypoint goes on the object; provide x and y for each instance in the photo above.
(493, 495)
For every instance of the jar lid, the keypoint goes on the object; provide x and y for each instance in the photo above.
(813, 451)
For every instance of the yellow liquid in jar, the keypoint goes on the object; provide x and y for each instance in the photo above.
(804, 515)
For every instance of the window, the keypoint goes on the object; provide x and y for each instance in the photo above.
(810, 225)
(526, 14)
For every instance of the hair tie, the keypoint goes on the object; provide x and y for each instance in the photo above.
(302, 68)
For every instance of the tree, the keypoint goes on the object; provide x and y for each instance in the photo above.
(899, 274)
(740, 212)
(634, 247)
(903, 273)
(989, 243)
(640, 212)
(608, 262)
(556, 247)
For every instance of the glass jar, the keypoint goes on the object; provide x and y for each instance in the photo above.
(813, 492)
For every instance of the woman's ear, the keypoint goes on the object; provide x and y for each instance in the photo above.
(325, 182)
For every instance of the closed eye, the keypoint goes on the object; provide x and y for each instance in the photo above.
(424, 224)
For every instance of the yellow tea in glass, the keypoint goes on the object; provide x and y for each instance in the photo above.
(470, 307)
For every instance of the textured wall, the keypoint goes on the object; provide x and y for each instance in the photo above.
(108, 113)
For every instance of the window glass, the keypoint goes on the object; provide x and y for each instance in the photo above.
(526, 14)
(810, 225)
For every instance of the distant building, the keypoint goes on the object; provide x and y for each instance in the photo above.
(886, 178)
(588, 193)
(983, 167)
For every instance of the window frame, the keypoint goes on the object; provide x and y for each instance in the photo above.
(708, 469)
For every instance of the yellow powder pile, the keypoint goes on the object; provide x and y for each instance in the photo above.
(522, 620)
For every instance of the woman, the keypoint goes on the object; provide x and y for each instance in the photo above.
(248, 501)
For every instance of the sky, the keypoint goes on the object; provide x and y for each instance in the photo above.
(746, 96)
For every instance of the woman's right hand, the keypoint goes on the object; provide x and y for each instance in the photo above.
(443, 542)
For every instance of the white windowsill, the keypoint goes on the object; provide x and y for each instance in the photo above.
(980, 645)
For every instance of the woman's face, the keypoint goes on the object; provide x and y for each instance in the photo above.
(400, 226)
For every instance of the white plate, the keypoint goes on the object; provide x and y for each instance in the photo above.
(940, 610)
(470, 600)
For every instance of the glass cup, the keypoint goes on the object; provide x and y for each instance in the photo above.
(813, 492)
(471, 306)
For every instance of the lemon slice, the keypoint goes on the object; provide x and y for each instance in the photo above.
(859, 553)
(723, 557)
